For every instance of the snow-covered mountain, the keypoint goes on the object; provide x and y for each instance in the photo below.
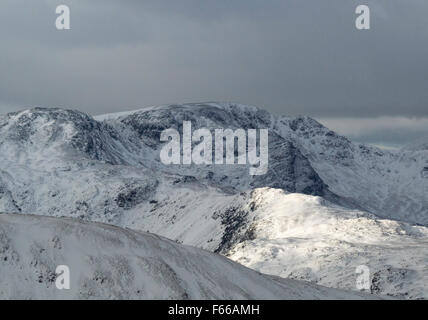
(325, 206)
(305, 237)
(304, 157)
(107, 262)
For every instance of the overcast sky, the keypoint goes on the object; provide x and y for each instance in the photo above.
(288, 56)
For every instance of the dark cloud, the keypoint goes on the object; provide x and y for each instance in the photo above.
(291, 57)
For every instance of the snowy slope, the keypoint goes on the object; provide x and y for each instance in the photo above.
(390, 184)
(294, 236)
(305, 237)
(107, 262)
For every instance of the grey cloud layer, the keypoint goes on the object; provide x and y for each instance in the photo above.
(289, 56)
(385, 131)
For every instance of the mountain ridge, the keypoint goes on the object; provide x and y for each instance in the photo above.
(108, 262)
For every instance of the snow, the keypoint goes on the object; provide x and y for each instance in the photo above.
(117, 115)
(107, 262)
(325, 206)
(305, 237)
